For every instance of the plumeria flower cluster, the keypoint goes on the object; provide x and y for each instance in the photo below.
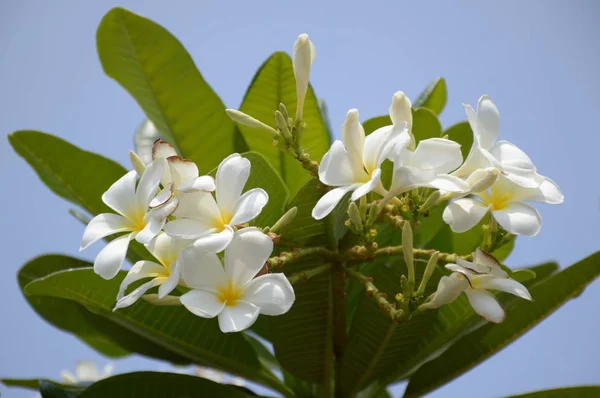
(185, 220)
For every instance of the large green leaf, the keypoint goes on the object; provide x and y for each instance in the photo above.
(565, 392)
(78, 176)
(160, 385)
(173, 328)
(263, 175)
(305, 227)
(461, 133)
(153, 66)
(107, 337)
(274, 83)
(434, 97)
(477, 346)
(48, 388)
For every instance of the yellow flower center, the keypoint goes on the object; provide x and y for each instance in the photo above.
(220, 223)
(497, 200)
(229, 294)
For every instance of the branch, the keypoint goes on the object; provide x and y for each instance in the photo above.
(308, 274)
(360, 254)
(296, 255)
(379, 297)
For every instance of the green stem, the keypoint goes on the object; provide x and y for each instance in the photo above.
(377, 295)
(359, 254)
(308, 274)
(296, 255)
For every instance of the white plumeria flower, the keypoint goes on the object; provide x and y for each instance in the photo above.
(486, 152)
(506, 201)
(86, 372)
(232, 292)
(354, 163)
(165, 273)
(426, 166)
(303, 57)
(134, 216)
(475, 279)
(200, 216)
(180, 177)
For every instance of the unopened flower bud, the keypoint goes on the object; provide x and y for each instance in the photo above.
(430, 202)
(400, 110)
(482, 179)
(285, 220)
(284, 111)
(354, 215)
(138, 164)
(247, 120)
(283, 126)
(303, 57)
(407, 244)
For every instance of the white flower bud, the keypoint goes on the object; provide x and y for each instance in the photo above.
(138, 164)
(400, 110)
(247, 120)
(303, 57)
(482, 179)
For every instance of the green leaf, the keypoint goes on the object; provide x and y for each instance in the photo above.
(375, 123)
(173, 328)
(425, 124)
(305, 228)
(159, 385)
(433, 97)
(564, 392)
(263, 175)
(78, 176)
(274, 83)
(48, 388)
(474, 348)
(106, 337)
(460, 243)
(461, 133)
(153, 66)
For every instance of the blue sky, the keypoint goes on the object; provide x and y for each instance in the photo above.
(538, 60)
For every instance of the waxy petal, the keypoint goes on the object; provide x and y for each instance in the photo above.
(137, 293)
(153, 227)
(246, 255)
(215, 242)
(329, 201)
(86, 371)
(238, 317)
(337, 169)
(201, 270)
(162, 150)
(182, 171)
(148, 185)
(121, 196)
(485, 304)
(202, 303)
(353, 136)
(519, 218)
(232, 174)
(198, 205)
(171, 283)
(272, 293)
(367, 187)
(400, 110)
(439, 154)
(509, 154)
(110, 259)
(508, 285)
(449, 183)
(488, 122)
(141, 270)
(448, 290)
(380, 143)
(406, 178)
(202, 183)
(463, 214)
(186, 228)
(249, 206)
(166, 248)
(104, 225)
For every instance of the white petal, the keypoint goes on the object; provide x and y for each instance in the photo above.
(329, 201)
(162, 197)
(546, 192)
(148, 185)
(110, 259)
(482, 179)
(449, 183)
(86, 371)
(247, 254)
(519, 218)
(400, 110)
(185, 228)
(232, 174)
(524, 177)
(182, 171)
(449, 288)
(201, 270)
(370, 186)
(138, 164)
(353, 136)
(249, 206)
(336, 168)
(202, 183)
(509, 154)
(162, 150)
(198, 205)
(485, 304)
(238, 317)
(171, 283)
(153, 227)
(67, 377)
(103, 225)
(380, 143)
(508, 285)
(472, 268)
(488, 122)
(490, 262)
(437, 153)
(215, 242)
(167, 301)
(137, 293)
(406, 178)
(477, 158)
(272, 293)
(202, 303)
(121, 195)
(140, 270)
(463, 214)
(166, 248)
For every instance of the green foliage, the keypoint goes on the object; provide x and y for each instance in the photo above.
(434, 97)
(273, 84)
(196, 339)
(153, 66)
(461, 133)
(475, 347)
(47, 388)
